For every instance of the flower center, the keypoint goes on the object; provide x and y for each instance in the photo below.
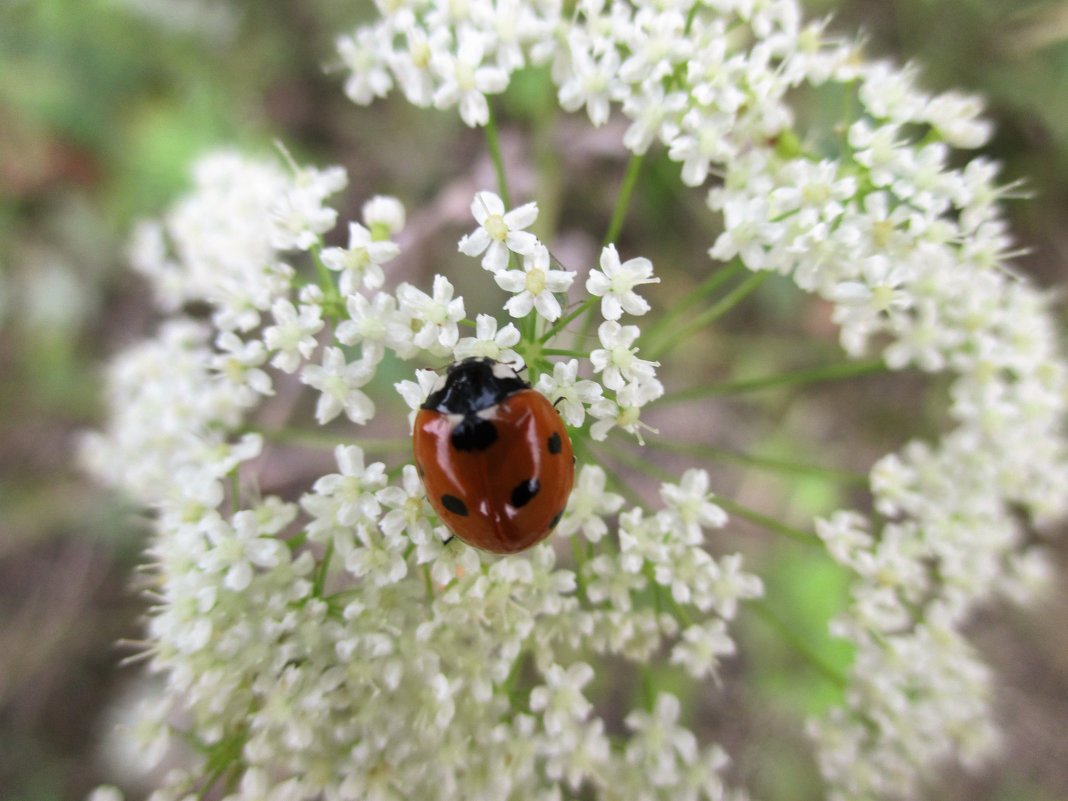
(882, 297)
(622, 357)
(622, 283)
(536, 281)
(628, 416)
(465, 76)
(421, 54)
(496, 227)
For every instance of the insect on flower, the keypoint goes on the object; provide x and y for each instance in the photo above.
(494, 456)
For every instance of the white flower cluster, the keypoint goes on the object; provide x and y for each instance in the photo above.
(334, 643)
(631, 381)
(912, 253)
(333, 646)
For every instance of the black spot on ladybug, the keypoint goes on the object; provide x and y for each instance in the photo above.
(524, 491)
(473, 434)
(555, 445)
(555, 520)
(454, 505)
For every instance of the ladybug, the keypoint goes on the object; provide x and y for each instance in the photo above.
(494, 457)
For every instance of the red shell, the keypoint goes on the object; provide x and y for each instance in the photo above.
(508, 495)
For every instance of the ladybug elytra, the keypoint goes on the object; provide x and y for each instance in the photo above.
(494, 457)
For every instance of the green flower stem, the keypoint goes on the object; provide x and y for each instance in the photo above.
(769, 523)
(710, 315)
(320, 574)
(577, 354)
(638, 463)
(711, 284)
(762, 462)
(428, 583)
(493, 142)
(802, 648)
(558, 326)
(580, 561)
(322, 439)
(235, 491)
(659, 473)
(619, 213)
(832, 372)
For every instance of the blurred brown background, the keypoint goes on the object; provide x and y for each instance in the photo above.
(103, 103)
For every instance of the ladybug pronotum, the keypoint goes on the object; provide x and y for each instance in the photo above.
(494, 457)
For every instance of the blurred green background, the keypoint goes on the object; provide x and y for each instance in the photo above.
(103, 104)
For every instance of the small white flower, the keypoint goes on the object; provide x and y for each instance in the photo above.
(239, 546)
(339, 382)
(105, 792)
(614, 283)
(588, 505)
(490, 343)
(411, 63)
(465, 79)
(659, 743)
(409, 511)
(434, 319)
(384, 215)
(689, 506)
(451, 558)
(239, 362)
(889, 93)
(360, 264)
(701, 648)
(956, 116)
(535, 286)
(593, 80)
(375, 325)
(300, 215)
(659, 44)
(365, 54)
(625, 410)
(343, 499)
(499, 231)
(617, 360)
(607, 582)
(703, 138)
(560, 699)
(375, 557)
(568, 392)
(293, 334)
(416, 392)
(653, 116)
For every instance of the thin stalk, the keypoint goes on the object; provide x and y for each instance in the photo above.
(493, 142)
(320, 575)
(832, 372)
(631, 460)
(323, 439)
(578, 354)
(761, 462)
(710, 285)
(558, 326)
(818, 663)
(713, 313)
(765, 521)
(428, 583)
(580, 561)
(619, 213)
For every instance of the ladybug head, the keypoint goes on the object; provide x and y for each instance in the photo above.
(473, 385)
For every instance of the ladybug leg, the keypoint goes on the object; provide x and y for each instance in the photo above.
(445, 543)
